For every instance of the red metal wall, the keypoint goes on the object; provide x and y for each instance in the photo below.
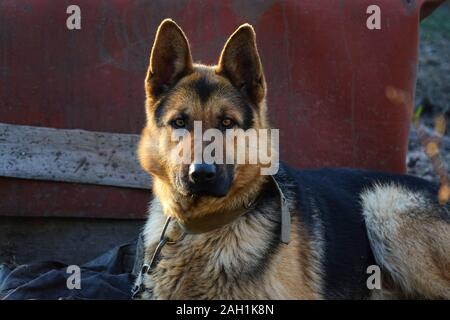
(327, 76)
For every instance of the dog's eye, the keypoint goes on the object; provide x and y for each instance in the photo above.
(178, 123)
(227, 123)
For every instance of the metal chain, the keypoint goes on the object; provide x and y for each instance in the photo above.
(146, 268)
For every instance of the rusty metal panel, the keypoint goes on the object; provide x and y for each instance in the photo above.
(327, 74)
(26, 198)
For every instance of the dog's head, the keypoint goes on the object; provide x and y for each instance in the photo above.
(181, 94)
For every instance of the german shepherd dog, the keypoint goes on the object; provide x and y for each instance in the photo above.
(223, 236)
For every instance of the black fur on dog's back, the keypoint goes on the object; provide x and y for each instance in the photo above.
(330, 207)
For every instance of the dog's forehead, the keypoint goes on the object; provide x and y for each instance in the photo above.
(204, 95)
(206, 87)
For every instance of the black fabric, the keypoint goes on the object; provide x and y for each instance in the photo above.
(110, 276)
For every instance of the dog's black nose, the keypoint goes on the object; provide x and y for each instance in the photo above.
(202, 173)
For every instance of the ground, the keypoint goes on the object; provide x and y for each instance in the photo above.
(433, 90)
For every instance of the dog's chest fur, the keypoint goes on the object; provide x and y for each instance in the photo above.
(243, 260)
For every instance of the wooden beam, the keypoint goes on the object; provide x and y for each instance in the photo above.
(79, 156)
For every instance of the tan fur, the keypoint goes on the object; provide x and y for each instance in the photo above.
(409, 239)
(210, 265)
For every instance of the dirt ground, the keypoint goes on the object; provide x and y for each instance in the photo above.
(433, 90)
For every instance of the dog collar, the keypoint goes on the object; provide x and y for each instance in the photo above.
(214, 221)
(285, 236)
(217, 220)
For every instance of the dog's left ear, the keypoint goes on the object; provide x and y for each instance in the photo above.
(240, 63)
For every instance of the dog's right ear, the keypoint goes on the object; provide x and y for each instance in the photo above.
(170, 59)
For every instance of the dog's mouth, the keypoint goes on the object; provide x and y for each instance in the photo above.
(216, 188)
(195, 191)
(215, 193)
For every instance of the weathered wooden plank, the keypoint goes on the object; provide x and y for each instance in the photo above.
(71, 156)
